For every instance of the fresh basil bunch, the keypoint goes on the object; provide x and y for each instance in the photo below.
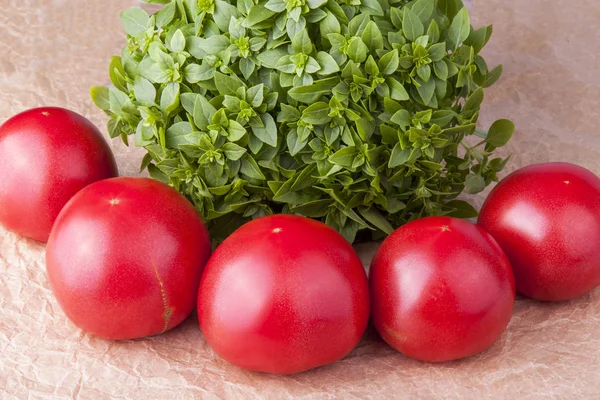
(353, 112)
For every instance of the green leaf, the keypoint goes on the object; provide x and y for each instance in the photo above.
(474, 101)
(440, 68)
(255, 95)
(316, 114)
(233, 151)
(371, 7)
(223, 13)
(250, 168)
(474, 183)
(344, 157)
(177, 42)
(329, 24)
(424, 72)
(269, 58)
(442, 117)
(357, 50)
(311, 93)
(437, 51)
(276, 6)
(327, 63)
(399, 156)
(176, 134)
(247, 67)
(477, 39)
(134, 21)
(312, 4)
(500, 132)
(100, 97)
(212, 45)
(412, 25)
(389, 62)
(166, 14)
(169, 99)
(372, 37)
(433, 32)
(293, 142)
(493, 76)
(460, 28)
(194, 73)
(450, 7)
(461, 209)
(423, 9)
(236, 131)
(402, 118)
(144, 91)
(301, 42)
(268, 133)
(374, 217)
(397, 91)
(426, 90)
(117, 100)
(227, 84)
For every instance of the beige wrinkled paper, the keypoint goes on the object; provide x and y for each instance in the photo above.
(53, 51)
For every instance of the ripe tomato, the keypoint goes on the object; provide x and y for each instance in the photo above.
(46, 156)
(441, 289)
(546, 217)
(125, 258)
(283, 294)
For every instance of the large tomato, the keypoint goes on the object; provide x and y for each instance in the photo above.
(125, 258)
(441, 289)
(283, 294)
(46, 156)
(546, 217)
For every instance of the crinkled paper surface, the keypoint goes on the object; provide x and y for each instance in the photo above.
(53, 51)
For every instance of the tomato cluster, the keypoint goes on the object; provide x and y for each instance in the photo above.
(130, 257)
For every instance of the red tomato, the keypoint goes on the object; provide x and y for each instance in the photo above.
(46, 156)
(441, 289)
(283, 294)
(546, 217)
(125, 258)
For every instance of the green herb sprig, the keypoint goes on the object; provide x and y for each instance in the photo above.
(354, 112)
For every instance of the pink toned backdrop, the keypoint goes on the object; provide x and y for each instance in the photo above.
(53, 51)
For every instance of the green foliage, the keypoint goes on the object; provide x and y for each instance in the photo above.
(353, 112)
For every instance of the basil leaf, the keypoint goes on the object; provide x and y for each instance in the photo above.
(268, 133)
(474, 183)
(372, 37)
(134, 21)
(233, 151)
(460, 28)
(412, 25)
(227, 84)
(500, 132)
(423, 9)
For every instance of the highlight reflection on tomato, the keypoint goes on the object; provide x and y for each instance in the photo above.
(441, 289)
(283, 294)
(46, 156)
(546, 217)
(125, 258)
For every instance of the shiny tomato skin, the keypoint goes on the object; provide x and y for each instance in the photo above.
(46, 156)
(441, 289)
(283, 294)
(546, 217)
(125, 258)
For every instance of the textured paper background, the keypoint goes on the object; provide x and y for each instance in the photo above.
(53, 51)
